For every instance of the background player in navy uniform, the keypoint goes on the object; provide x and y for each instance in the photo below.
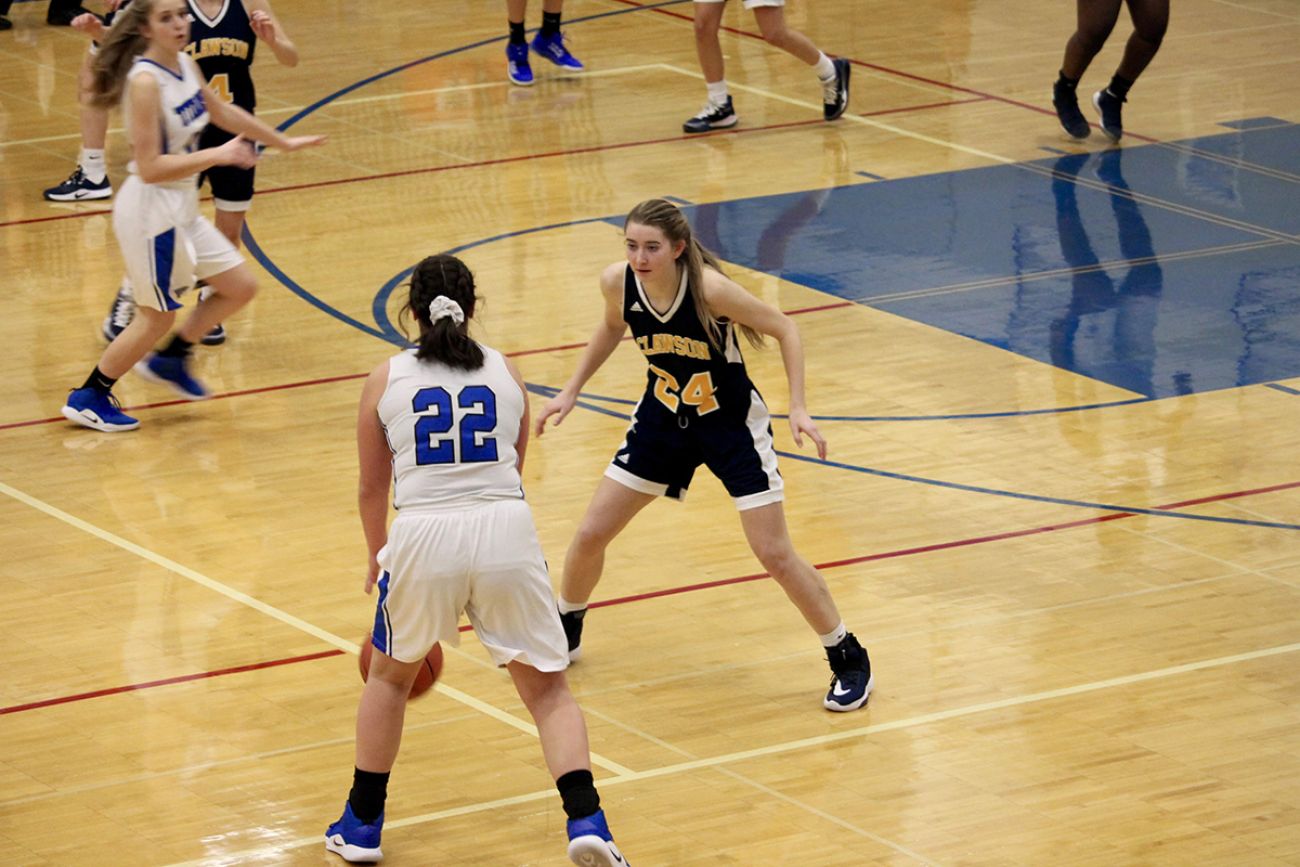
(443, 429)
(1096, 19)
(699, 407)
(164, 239)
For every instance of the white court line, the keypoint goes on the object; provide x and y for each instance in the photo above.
(792, 746)
(854, 118)
(363, 100)
(273, 612)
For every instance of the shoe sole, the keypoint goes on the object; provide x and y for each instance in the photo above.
(591, 851)
(210, 340)
(714, 127)
(355, 854)
(845, 708)
(1096, 103)
(77, 416)
(144, 372)
(89, 197)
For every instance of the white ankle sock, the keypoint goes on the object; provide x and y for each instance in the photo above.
(92, 164)
(717, 92)
(835, 636)
(824, 68)
(567, 607)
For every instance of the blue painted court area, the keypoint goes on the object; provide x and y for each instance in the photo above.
(1161, 269)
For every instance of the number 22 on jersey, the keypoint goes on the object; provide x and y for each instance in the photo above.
(434, 407)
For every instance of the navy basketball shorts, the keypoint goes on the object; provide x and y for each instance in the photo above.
(232, 187)
(661, 451)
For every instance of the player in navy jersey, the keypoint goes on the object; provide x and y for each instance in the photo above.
(699, 407)
(165, 241)
(443, 429)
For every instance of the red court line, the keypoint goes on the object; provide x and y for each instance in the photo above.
(168, 681)
(895, 72)
(673, 591)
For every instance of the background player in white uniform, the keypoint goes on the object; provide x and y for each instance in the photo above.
(718, 112)
(699, 408)
(447, 424)
(164, 240)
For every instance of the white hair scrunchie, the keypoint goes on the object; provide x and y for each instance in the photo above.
(442, 306)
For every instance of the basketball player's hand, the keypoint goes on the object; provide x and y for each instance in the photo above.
(238, 152)
(372, 574)
(801, 423)
(264, 26)
(562, 404)
(90, 24)
(298, 142)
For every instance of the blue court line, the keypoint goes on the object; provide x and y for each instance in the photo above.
(386, 331)
(1280, 387)
(551, 391)
(1255, 123)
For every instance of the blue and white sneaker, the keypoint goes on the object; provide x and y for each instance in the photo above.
(552, 48)
(98, 410)
(517, 64)
(172, 372)
(591, 844)
(851, 678)
(354, 841)
(119, 315)
(79, 188)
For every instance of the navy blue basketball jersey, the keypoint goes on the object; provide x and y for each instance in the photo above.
(223, 47)
(687, 375)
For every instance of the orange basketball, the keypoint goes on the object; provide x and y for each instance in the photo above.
(424, 681)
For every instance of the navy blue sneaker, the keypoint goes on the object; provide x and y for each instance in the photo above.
(98, 410)
(553, 49)
(354, 841)
(591, 844)
(712, 117)
(119, 315)
(517, 64)
(572, 623)
(835, 93)
(851, 678)
(79, 188)
(171, 371)
(1066, 102)
(1110, 107)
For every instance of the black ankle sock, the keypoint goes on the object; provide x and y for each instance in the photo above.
(517, 33)
(550, 23)
(578, 790)
(369, 790)
(1119, 87)
(1063, 81)
(99, 382)
(178, 348)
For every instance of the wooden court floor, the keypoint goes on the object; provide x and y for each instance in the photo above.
(1078, 575)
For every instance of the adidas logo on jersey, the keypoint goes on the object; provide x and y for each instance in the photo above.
(636, 307)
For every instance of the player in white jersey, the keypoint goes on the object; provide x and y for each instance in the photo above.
(446, 424)
(165, 241)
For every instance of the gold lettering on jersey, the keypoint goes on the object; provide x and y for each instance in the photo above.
(659, 344)
(218, 46)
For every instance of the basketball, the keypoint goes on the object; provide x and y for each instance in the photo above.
(424, 681)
